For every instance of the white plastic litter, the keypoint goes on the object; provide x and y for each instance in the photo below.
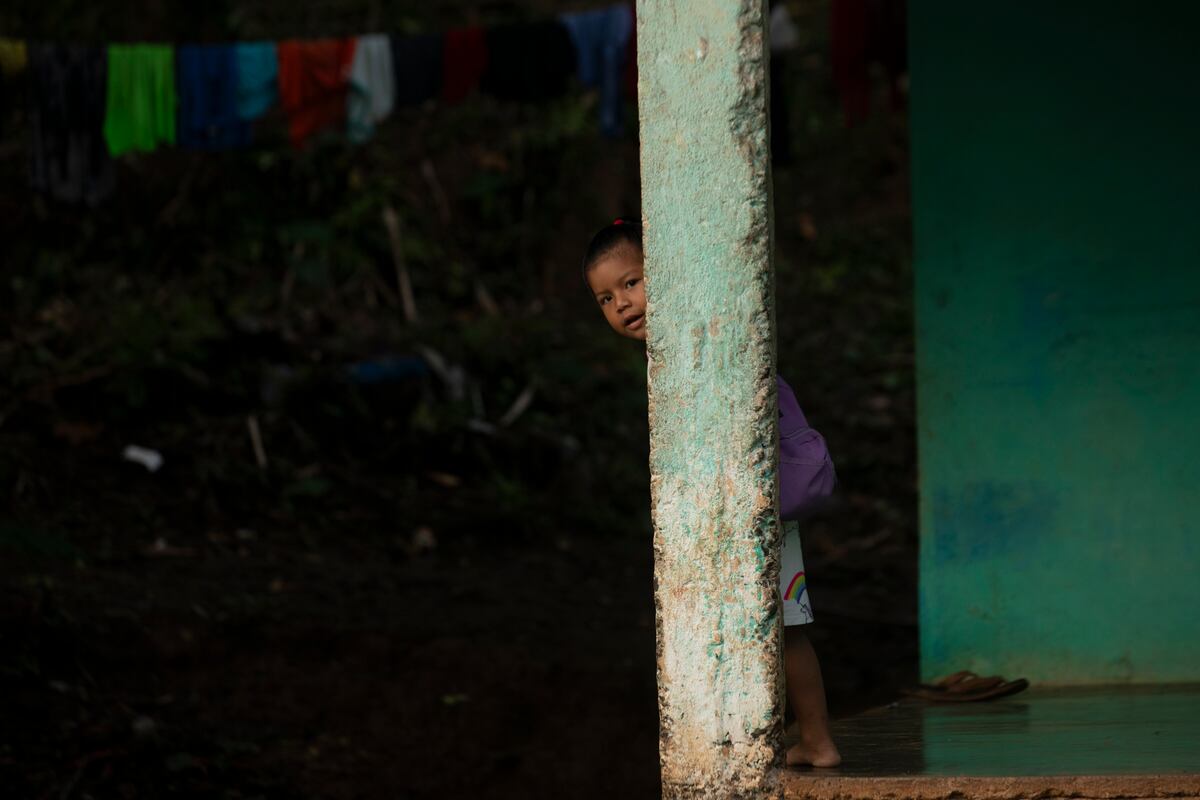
(152, 460)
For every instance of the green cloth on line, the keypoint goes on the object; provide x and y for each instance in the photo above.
(140, 108)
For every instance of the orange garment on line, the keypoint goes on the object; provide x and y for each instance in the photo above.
(313, 76)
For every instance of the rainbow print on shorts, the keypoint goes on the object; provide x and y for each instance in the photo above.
(796, 588)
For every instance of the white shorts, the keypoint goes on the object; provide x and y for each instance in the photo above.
(797, 610)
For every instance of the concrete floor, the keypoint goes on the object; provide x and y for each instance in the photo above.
(1080, 742)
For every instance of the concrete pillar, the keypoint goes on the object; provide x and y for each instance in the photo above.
(706, 197)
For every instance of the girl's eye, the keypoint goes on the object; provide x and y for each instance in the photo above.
(604, 300)
(632, 282)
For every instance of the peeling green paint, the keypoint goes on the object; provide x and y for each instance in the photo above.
(706, 197)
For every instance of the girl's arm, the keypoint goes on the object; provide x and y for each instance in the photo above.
(806, 473)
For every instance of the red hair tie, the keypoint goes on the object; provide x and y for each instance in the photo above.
(618, 221)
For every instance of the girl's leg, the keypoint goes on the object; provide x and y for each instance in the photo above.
(806, 696)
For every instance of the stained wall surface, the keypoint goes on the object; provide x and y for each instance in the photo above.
(1056, 193)
(702, 97)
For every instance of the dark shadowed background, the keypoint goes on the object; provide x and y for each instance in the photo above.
(391, 557)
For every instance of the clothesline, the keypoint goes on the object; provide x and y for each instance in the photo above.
(89, 104)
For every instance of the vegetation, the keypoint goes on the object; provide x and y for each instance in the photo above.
(462, 476)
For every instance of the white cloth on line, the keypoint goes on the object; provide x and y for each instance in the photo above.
(371, 94)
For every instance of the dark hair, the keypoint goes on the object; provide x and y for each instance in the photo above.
(621, 231)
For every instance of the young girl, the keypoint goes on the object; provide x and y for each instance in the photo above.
(612, 269)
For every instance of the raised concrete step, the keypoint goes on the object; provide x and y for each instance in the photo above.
(1100, 742)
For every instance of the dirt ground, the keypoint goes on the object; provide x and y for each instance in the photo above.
(241, 668)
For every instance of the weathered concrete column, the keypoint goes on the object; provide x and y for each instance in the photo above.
(706, 197)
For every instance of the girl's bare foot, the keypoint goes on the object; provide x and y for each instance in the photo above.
(822, 754)
(806, 695)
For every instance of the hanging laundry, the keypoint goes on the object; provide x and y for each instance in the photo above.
(601, 40)
(587, 29)
(257, 78)
(13, 59)
(631, 64)
(372, 91)
(417, 61)
(14, 56)
(67, 156)
(863, 32)
(888, 44)
(140, 109)
(312, 84)
(464, 60)
(784, 38)
(530, 62)
(208, 98)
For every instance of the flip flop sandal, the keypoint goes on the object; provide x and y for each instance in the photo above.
(966, 687)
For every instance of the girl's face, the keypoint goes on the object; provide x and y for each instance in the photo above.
(620, 288)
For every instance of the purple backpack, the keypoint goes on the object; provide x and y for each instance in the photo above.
(806, 473)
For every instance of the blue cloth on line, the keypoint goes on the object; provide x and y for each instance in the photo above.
(207, 82)
(418, 64)
(601, 40)
(258, 78)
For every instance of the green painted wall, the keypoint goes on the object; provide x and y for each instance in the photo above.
(1056, 191)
